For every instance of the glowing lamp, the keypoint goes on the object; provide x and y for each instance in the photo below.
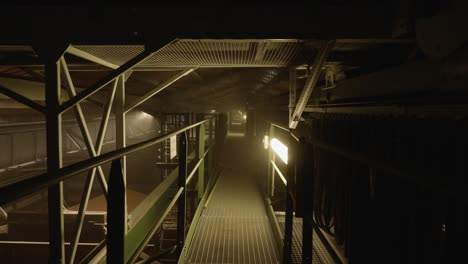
(280, 149)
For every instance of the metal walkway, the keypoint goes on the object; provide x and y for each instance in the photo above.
(234, 228)
(320, 254)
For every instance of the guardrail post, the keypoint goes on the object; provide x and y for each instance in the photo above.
(288, 225)
(217, 137)
(182, 198)
(200, 151)
(54, 159)
(116, 214)
(210, 131)
(305, 181)
(210, 155)
(120, 129)
(271, 170)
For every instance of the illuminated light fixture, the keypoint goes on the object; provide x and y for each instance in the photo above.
(213, 111)
(245, 117)
(266, 141)
(280, 149)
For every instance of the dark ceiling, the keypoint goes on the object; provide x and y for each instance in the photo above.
(227, 74)
(244, 57)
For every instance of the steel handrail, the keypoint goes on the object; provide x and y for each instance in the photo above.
(22, 188)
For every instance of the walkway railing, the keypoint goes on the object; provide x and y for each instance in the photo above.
(124, 245)
(284, 169)
(295, 175)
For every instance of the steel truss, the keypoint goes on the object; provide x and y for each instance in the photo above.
(123, 231)
(298, 107)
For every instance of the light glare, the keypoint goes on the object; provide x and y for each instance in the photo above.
(266, 141)
(280, 149)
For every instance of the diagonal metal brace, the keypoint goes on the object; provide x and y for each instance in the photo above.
(90, 57)
(105, 81)
(158, 89)
(22, 99)
(310, 83)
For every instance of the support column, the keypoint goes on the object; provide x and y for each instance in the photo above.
(288, 227)
(292, 92)
(182, 199)
(116, 215)
(305, 172)
(307, 236)
(120, 133)
(54, 161)
(290, 186)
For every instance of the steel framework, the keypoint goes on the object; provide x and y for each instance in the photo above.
(122, 230)
(130, 234)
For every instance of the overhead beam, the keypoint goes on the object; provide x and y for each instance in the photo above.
(22, 99)
(392, 109)
(85, 67)
(310, 83)
(158, 89)
(105, 81)
(33, 89)
(90, 57)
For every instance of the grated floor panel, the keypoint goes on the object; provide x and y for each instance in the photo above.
(234, 228)
(319, 252)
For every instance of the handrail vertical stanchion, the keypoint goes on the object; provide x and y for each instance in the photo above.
(54, 160)
(200, 151)
(210, 155)
(288, 225)
(116, 214)
(268, 195)
(305, 174)
(271, 170)
(182, 199)
(120, 133)
(217, 137)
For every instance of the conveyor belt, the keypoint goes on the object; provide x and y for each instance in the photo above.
(234, 228)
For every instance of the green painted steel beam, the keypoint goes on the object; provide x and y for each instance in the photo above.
(146, 214)
(196, 218)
